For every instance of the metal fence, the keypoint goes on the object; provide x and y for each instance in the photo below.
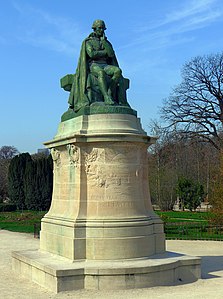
(193, 231)
(37, 227)
(180, 231)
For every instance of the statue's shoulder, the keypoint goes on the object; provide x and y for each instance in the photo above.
(85, 41)
(90, 38)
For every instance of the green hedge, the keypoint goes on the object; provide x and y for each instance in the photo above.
(7, 207)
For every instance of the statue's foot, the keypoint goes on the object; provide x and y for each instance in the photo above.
(108, 100)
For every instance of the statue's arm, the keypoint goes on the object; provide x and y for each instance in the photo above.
(108, 47)
(94, 53)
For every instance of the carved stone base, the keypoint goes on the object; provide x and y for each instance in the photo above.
(113, 239)
(101, 209)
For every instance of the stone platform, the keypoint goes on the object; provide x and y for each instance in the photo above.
(58, 274)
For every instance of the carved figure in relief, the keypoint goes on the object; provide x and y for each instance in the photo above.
(55, 156)
(89, 158)
(73, 153)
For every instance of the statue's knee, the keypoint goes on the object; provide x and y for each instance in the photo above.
(101, 74)
(117, 73)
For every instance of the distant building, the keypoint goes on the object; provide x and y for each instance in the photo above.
(44, 151)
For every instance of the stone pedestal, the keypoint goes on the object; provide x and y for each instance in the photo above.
(101, 227)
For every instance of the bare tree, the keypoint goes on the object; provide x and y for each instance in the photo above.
(174, 157)
(8, 152)
(195, 107)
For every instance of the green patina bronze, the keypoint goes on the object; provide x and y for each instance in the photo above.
(97, 109)
(98, 85)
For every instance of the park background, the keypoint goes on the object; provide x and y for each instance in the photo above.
(40, 43)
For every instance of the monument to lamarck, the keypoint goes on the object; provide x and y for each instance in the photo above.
(101, 231)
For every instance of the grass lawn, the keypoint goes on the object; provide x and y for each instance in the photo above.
(20, 221)
(185, 216)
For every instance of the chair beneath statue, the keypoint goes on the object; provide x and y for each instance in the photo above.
(93, 90)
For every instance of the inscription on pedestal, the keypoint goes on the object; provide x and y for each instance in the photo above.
(116, 204)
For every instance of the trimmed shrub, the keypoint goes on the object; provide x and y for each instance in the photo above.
(7, 207)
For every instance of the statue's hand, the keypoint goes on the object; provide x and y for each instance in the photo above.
(103, 38)
(107, 46)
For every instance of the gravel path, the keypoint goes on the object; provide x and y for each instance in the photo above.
(210, 286)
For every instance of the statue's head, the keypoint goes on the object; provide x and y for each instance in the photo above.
(99, 24)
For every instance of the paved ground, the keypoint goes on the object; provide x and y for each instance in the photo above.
(210, 286)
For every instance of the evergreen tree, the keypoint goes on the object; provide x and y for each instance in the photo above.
(31, 196)
(38, 182)
(16, 175)
(30, 181)
(48, 182)
(190, 194)
(6, 154)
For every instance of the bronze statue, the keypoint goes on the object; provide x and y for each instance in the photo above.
(98, 78)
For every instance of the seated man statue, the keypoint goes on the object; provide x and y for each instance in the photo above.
(98, 77)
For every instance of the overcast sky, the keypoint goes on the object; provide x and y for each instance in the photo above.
(40, 43)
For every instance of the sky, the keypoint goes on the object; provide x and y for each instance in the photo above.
(40, 43)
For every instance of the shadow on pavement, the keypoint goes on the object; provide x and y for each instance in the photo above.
(211, 264)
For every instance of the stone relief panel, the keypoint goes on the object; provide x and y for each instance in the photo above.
(124, 153)
(74, 154)
(93, 164)
(115, 176)
(90, 158)
(114, 168)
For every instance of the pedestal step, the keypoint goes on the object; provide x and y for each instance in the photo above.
(59, 274)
